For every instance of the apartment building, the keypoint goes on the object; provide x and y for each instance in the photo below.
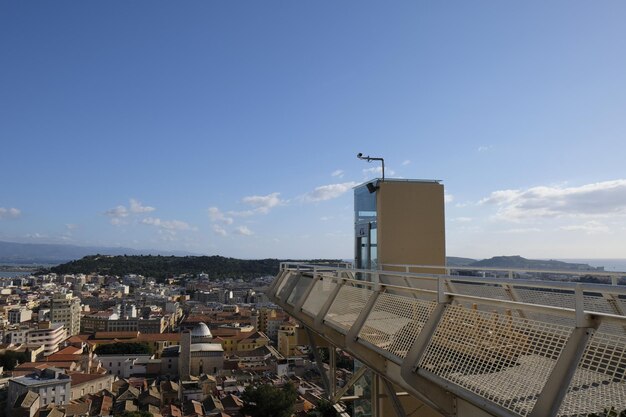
(65, 308)
(52, 385)
(19, 315)
(46, 334)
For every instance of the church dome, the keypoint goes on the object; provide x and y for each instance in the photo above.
(201, 330)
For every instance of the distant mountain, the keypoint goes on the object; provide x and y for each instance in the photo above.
(457, 261)
(52, 254)
(519, 262)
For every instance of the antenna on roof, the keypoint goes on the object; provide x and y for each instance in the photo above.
(370, 159)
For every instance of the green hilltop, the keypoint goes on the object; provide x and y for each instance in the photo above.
(161, 267)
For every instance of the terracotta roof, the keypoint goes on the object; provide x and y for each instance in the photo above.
(154, 337)
(79, 338)
(31, 366)
(77, 408)
(60, 357)
(69, 350)
(115, 335)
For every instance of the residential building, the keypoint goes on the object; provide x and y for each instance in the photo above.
(83, 384)
(287, 339)
(52, 385)
(49, 335)
(108, 321)
(65, 308)
(46, 334)
(19, 315)
(125, 366)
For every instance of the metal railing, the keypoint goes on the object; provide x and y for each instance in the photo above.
(511, 347)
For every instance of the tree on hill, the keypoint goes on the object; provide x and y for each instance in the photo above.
(162, 267)
(269, 401)
(124, 348)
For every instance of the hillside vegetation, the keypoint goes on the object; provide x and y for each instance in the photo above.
(161, 267)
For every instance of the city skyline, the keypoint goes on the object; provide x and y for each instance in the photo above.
(233, 129)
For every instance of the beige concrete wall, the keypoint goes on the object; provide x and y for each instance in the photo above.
(411, 224)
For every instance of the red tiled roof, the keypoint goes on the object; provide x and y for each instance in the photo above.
(70, 350)
(115, 335)
(60, 357)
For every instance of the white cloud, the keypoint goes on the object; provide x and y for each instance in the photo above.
(71, 226)
(461, 219)
(217, 216)
(169, 225)
(520, 230)
(219, 230)
(263, 203)
(600, 199)
(244, 231)
(244, 213)
(591, 227)
(406, 162)
(448, 198)
(136, 207)
(378, 172)
(117, 214)
(337, 173)
(485, 148)
(328, 192)
(121, 212)
(9, 213)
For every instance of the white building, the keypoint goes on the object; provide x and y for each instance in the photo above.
(47, 334)
(65, 308)
(125, 366)
(19, 315)
(52, 385)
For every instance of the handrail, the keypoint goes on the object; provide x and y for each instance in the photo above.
(537, 284)
(513, 305)
(505, 269)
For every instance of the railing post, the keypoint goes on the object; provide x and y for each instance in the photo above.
(353, 333)
(555, 388)
(411, 361)
(288, 288)
(282, 275)
(319, 319)
(297, 307)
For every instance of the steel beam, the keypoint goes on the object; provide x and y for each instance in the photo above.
(355, 377)
(319, 363)
(391, 392)
(319, 319)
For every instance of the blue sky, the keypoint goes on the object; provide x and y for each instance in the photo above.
(231, 128)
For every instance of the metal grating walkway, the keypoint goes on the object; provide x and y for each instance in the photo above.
(510, 347)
